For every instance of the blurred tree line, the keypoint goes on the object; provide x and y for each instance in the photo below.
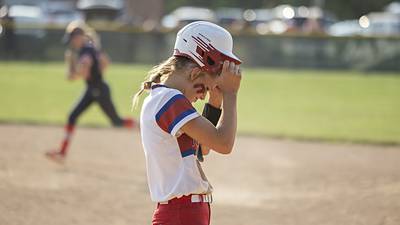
(343, 9)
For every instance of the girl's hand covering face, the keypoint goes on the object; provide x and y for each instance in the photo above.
(229, 81)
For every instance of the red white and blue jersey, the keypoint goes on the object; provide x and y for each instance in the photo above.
(172, 168)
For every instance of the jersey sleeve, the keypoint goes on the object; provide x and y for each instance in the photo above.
(175, 113)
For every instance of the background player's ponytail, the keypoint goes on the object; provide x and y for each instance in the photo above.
(160, 72)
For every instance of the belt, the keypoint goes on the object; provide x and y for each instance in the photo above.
(193, 198)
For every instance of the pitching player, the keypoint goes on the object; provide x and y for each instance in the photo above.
(86, 62)
(172, 129)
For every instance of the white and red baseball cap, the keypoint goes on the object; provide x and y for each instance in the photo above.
(207, 44)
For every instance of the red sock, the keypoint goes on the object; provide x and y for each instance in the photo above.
(129, 123)
(69, 129)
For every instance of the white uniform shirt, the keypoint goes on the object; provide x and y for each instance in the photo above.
(172, 167)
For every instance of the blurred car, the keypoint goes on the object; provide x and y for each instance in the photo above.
(24, 31)
(185, 15)
(263, 21)
(101, 10)
(345, 28)
(253, 17)
(27, 20)
(231, 18)
(60, 13)
(288, 19)
(372, 24)
(393, 8)
(380, 24)
(304, 19)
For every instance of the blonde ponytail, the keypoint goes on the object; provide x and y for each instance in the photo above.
(164, 69)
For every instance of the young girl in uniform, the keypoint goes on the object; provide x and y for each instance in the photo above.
(172, 129)
(85, 61)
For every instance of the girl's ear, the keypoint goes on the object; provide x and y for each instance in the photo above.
(195, 73)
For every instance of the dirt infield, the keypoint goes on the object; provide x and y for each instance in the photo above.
(263, 182)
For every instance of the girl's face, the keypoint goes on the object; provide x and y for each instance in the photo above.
(198, 85)
(77, 41)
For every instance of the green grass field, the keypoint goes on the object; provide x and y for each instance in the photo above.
(321, 105)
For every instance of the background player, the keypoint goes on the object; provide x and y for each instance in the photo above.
(171, 129)
(85, 61)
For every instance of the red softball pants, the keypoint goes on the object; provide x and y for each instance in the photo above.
(182, 212)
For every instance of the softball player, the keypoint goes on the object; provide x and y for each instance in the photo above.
(86, 62)
(172, 130)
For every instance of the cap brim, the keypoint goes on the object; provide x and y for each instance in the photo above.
(235, 58)
(66, 38)
(232, 56)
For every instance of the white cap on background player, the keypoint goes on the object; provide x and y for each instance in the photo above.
(208, 44)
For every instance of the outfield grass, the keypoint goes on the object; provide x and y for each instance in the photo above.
(323, 105)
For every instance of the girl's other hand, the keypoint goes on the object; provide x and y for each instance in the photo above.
(215, 98)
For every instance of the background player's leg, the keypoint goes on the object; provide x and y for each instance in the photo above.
(83, 103)
(69, 129)
(106, 104)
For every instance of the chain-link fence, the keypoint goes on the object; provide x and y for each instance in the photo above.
(260, 51)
